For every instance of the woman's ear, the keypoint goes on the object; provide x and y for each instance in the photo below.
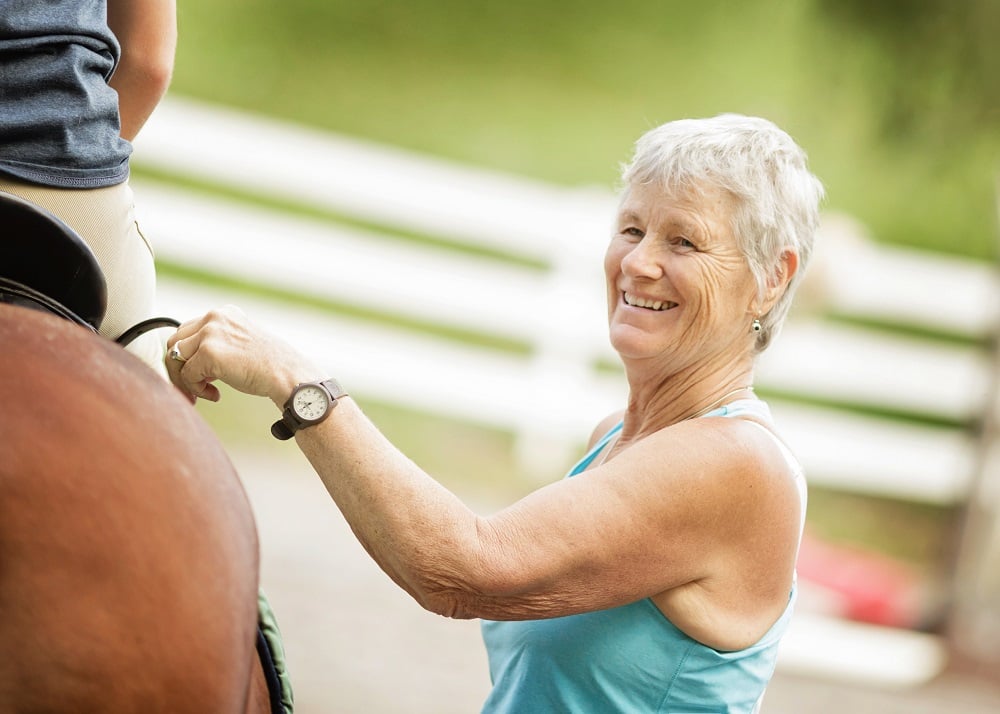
(778, 281)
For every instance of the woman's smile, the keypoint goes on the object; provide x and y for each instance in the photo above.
(650, 304)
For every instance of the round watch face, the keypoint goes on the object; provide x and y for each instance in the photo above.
(310, 403)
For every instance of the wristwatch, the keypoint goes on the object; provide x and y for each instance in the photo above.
(310, 403)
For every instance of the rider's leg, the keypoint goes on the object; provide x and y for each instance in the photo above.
(105, 219)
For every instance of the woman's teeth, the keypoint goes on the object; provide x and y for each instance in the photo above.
(649, 304)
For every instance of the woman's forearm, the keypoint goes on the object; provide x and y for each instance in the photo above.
(418, 532)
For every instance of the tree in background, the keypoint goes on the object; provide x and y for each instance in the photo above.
(942, 61)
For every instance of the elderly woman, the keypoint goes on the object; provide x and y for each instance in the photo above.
(659, 576)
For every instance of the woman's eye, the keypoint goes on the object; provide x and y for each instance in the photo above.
(684, 242)
(632, 231)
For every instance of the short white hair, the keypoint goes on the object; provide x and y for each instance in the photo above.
(761, 166)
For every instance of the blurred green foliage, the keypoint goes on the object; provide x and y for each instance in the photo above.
(940, 61)
(895, 100)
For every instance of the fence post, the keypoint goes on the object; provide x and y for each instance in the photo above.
(565, 350)
(974, 622)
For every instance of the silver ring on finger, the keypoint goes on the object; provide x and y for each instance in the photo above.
(175, 354)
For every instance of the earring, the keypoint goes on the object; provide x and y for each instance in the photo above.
(755, 325)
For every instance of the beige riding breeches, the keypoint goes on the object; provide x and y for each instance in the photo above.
(105, 219)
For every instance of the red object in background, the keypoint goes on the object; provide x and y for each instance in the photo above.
(860, 585)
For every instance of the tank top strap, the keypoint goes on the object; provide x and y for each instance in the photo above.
(743, 407)
(583, 463)
(755, 408)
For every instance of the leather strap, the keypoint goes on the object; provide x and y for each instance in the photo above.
(11, 291)
(141, 328)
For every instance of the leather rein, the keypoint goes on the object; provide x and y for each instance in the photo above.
(20, 294)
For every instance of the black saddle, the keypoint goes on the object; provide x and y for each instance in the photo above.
(45, 265)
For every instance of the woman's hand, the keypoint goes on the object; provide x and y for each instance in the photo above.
(225, 345)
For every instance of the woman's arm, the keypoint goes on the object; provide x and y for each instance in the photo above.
(147, 32)
(686, 504)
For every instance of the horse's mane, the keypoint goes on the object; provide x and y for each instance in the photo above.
(128, 552)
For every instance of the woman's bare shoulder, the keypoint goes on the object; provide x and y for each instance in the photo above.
(723, 458)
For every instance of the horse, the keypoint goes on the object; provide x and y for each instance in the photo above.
(129, 559)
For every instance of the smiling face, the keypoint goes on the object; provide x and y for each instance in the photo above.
(680, 291)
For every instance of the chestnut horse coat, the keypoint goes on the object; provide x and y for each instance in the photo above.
(128, 552)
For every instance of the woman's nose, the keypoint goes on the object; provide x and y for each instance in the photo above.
(642, 260)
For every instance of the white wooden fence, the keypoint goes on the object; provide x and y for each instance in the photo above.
(549, 298)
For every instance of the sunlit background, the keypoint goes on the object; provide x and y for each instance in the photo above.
(488, 134)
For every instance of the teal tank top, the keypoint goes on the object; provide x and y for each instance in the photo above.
(629, 658)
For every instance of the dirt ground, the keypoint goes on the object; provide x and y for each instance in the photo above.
(358, 644)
